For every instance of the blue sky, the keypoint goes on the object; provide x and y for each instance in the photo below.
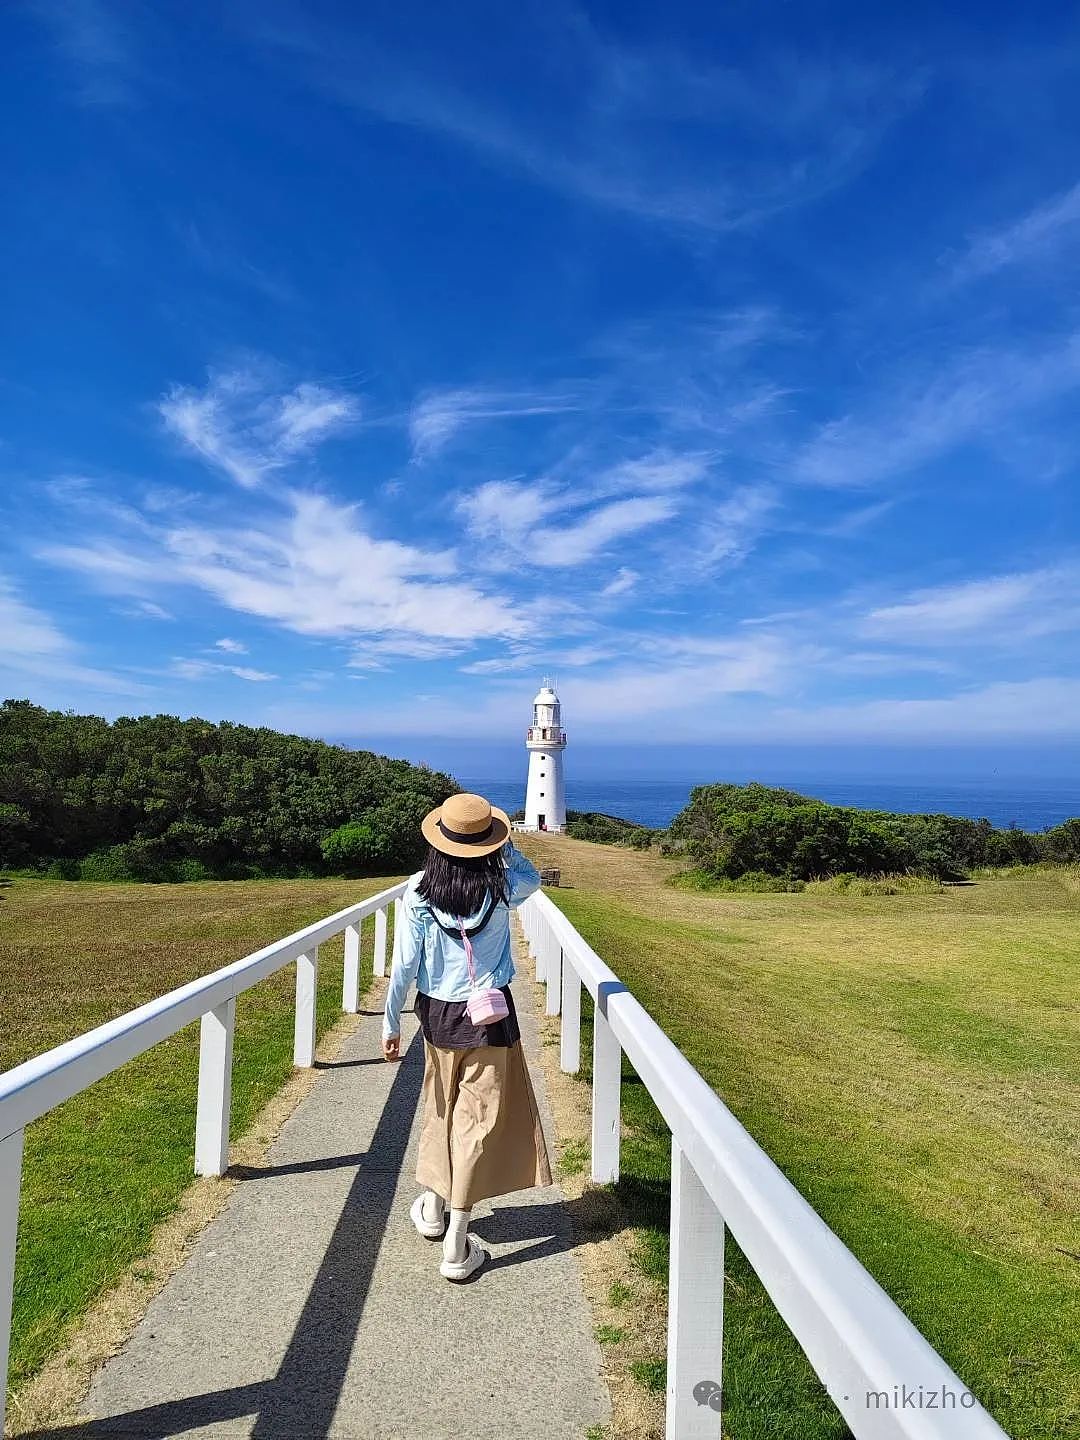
(363, 363)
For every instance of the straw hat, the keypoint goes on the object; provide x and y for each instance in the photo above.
(466, 825)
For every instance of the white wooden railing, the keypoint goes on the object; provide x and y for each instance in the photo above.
(885, 1378)
(32, 1089)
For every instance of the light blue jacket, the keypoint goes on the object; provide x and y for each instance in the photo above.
(436, 961)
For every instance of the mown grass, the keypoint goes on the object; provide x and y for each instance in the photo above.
(911, 1061)
(105, 1168)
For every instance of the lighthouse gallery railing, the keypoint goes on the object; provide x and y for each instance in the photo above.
(885, 1378)
(32, 1089)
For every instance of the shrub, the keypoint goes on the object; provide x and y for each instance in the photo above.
(111, 864)
(847, 884)
(730, 830)
(63, 870)
(190, 871)
(604, 829)
(753, 881)
(351, 848)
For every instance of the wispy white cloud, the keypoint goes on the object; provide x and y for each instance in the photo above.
(728, 529)
(309, 412)
(563, 523)
(26, 632)
(653, 133)
(688, 685)
(857, 521)
(505, 511)
(912, 423)
(565, 545)
(623, 582)
(678, 677)
(230, 647)
(1004, 608)
(1032, 238)
(698, 373)
(659, 470)
(148, 610)
(97, 48)
(556, 657)
(216, 253)
(373, 654)
(115, 567)
(741, 699)
(1044, 707)
(197, 669)
(438, 416)
(35, 652)
(241, 426)
(316, 570)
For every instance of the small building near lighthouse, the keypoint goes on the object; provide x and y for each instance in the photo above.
(545, 740)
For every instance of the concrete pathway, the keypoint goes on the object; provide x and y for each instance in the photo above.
(310, 1307)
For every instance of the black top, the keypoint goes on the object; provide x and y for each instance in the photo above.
(446, 1024)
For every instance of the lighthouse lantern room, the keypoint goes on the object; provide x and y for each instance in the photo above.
(545, 740)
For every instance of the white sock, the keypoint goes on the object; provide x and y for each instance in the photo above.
(453, 1248)
(433, 1207)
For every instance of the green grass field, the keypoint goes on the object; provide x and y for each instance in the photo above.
(911, 1062)
(105, 1168)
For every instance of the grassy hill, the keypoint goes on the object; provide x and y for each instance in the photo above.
(909, 1059)
(912, 1062)
(159, 798)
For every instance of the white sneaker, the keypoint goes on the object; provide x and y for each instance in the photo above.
(429, 1229)
(475, 1255)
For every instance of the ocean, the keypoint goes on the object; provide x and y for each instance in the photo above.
(655, 803)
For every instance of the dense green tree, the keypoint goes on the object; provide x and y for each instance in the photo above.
(156, 797)
(733, 830)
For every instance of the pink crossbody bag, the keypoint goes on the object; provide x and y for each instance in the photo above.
(484, 1006)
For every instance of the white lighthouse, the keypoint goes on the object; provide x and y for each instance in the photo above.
(545, 740)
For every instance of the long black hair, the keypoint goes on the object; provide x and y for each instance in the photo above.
(463, 884)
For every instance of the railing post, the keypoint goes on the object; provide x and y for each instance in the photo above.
(570, 1031)
(307, 984)
(554, 978)
(539, 949)
(214, 1108)
(11, 1153)
(695, 1307)
(379, 964)
(350, 985)
(606, 1100)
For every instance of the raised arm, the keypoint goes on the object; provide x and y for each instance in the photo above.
(522, 873)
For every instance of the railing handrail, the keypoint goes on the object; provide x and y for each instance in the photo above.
(856, 1337)
(32, 1089)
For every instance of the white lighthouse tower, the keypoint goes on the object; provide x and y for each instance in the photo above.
(545, 740)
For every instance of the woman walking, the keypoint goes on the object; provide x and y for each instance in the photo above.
(481, 1133)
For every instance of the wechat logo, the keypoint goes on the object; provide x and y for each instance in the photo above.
(707, 1392)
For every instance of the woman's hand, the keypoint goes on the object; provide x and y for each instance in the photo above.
(391, 1047)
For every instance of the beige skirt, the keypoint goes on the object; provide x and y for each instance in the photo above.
(481, 1133)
